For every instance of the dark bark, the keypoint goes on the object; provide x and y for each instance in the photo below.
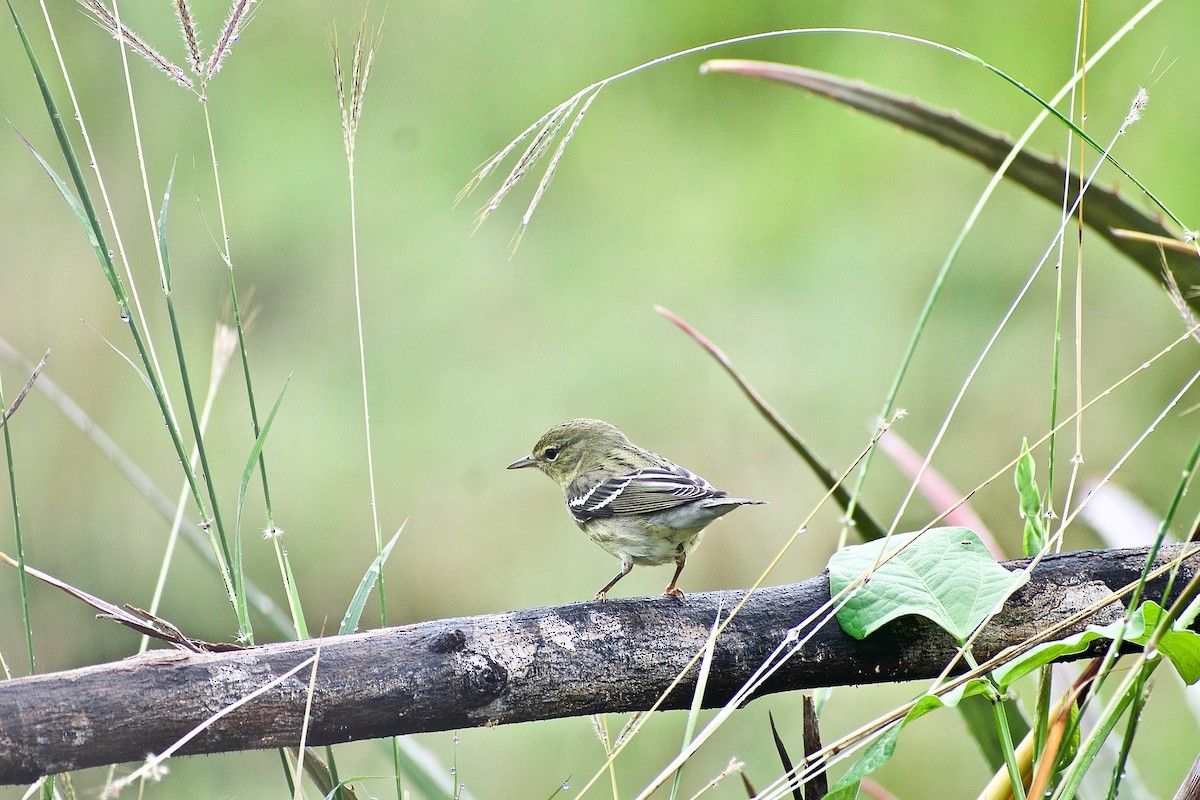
(516, 666)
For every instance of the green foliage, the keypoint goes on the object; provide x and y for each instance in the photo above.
(881, 750)
(469, 352)
(1034, 537)
(1179, 644)
(944, 574)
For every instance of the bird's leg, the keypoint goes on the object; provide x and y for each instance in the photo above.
(680, 560)
(625, 567)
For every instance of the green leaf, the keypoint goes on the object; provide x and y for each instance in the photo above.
(1034, 537)
(255, 451)
(370, 578)
(880, 751)
(945, 574)
(82, 206)
(1180, 645)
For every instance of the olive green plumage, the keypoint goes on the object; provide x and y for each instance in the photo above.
(637, 505)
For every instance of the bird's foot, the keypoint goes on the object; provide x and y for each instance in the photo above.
(673, 592)
(601, 596)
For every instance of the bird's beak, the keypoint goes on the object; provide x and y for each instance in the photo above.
(521, 463)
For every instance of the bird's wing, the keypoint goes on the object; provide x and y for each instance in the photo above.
(640, 492)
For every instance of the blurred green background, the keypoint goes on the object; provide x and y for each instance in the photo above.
(800, 237)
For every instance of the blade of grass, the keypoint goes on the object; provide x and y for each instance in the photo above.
(781, 749)
(22, 583)
(232, 560)
(697, 698)
(1117, 220)
(139, 479)
(272, 533)
(94, 231)
(368, 582)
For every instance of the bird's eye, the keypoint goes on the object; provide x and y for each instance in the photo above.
(550, 453)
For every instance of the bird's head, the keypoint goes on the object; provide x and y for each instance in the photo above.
(569, 448)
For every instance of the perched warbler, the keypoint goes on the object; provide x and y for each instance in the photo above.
(634, 503)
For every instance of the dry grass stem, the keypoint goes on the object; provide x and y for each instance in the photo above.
(735, 766)
(365, 46)
(239, 15)
(488, 167)
(6, 413)
(547, 129)
(1176, 295)
(191, 38)
(108, 21)
(1187, 247)
(532, 154)
(548, 175)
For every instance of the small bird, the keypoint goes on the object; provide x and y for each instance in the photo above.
(634, 503)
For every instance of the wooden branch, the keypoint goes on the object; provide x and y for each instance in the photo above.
(517, 666)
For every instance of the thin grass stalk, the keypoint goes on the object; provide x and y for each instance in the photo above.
(1078, 61)
(1008, 314)
(1113, 652)
(1077, 457)
(308, 698)
(299, 625)
(767, 669)
(697, 697)
(1141, 692)
(152, 767)
(123, 35)
(233, 558)
(220, 360)
(1045, 674)
(351, 115)
(247, 474)
(1006, 744)
(142, 483)
(968, 225)
(939, 687)
(707, 731)
(350, 136)
(104, 256)
(110, 21)
(236, 20)
(22, 583)
(859, 515)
